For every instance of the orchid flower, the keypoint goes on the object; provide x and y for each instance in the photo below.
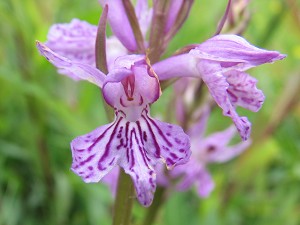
(134, 141)
(205, 150)
(221, 63)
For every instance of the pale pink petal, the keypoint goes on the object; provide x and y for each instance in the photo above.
(74, 40)
(77, 70)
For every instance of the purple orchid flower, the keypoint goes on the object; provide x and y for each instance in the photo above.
(220, 62)
(205, 150)
(134, 141)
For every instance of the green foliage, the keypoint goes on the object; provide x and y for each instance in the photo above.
(41, 112)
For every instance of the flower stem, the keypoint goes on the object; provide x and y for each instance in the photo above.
(124, 200)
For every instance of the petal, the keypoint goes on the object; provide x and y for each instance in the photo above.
(174, 9)
(230, 51)
(79, 71)
(217, 149)
(217, 85)
(96, 153)
(74, 40)
(234, 52)
(187, 174)
(164, 141)
(243, 92)
(144, 15)
(139, 166)
(120, 24)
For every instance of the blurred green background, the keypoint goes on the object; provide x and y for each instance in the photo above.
(41, 112)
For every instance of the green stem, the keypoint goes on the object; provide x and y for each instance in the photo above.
(124, 200)
(156, 205)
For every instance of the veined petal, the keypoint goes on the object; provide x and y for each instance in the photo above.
(243, 92)
(164, 141)
(140, 166)
(120, 24)
(218, 86)
(77, 70)
(74, 40)
(96, 153)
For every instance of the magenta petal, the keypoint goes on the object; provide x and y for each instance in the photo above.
(74, 40)
(243, 92)
(75, 70)
(119, 23)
